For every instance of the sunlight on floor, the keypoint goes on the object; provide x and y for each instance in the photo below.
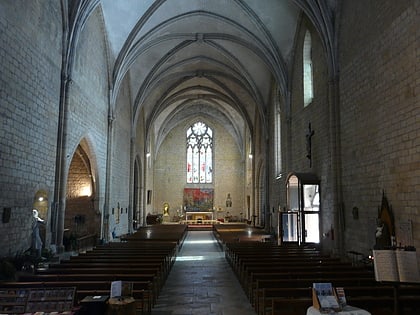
(189, 258)
(200, 242)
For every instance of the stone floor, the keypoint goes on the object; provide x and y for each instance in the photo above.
(201, 282)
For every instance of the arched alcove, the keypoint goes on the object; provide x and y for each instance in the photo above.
(81, 219)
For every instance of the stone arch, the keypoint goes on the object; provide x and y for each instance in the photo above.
(82, 216)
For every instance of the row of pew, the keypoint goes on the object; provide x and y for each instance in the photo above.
(279, 279)
(143, 258)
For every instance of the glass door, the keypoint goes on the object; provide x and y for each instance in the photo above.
(289, 224)
(300, 221)
(311, 213)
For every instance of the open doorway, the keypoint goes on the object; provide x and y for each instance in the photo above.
(300, 221)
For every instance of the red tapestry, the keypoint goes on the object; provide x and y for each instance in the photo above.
(198, 199)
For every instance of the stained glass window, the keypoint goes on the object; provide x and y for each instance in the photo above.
(199, 153)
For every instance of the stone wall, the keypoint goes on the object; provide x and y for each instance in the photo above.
(295, 127)
(380, 112)
(120, 165)
(170, 172)
(87, 116)
(30, 96)
(30, 61)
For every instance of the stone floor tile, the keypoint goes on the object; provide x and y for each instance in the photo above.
(201, 282)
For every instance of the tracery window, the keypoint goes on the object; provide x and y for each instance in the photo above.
(199, 153)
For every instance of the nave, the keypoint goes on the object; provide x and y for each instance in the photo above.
(201, 282)
(174, 271)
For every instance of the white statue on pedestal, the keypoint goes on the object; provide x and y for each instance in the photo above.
(36, 238)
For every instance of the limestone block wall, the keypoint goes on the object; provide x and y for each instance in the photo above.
(121, 167)
(295, 131)
(380, 112)
(88, 101)
(170, 172)
(30, 61)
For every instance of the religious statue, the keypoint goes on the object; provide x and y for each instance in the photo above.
(36, 238)
(309, 136)
(383, 237)
(166, 209)
(228, 201)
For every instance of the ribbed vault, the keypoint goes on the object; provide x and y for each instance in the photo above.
(217, 58)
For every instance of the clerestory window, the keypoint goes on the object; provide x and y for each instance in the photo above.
(308, 86)
(277, 136)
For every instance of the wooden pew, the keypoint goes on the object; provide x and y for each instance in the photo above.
(143, 258)
(110, 265)
(105, 270)
(325, 275)
(278, 279)
(249, 269)
(142, 290)
(245, 265)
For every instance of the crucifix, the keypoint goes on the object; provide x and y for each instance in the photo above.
(309, 136)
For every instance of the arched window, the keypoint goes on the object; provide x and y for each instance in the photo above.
(199, 153)
(308, 87)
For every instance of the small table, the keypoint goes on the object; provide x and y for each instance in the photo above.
(121, 306)
(347, 310)
(94, 305)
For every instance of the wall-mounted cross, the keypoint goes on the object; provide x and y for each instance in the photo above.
(309, 136)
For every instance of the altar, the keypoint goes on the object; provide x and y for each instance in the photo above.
(199, 215)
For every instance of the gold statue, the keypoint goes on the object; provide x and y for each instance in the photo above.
(166, 209)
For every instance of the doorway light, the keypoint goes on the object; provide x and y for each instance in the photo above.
(85, 191)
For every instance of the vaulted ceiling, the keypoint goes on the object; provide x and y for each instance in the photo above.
(213, 58)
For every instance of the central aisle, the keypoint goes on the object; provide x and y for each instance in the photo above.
(201, 282)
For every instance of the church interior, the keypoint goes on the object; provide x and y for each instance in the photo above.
(279, 127)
